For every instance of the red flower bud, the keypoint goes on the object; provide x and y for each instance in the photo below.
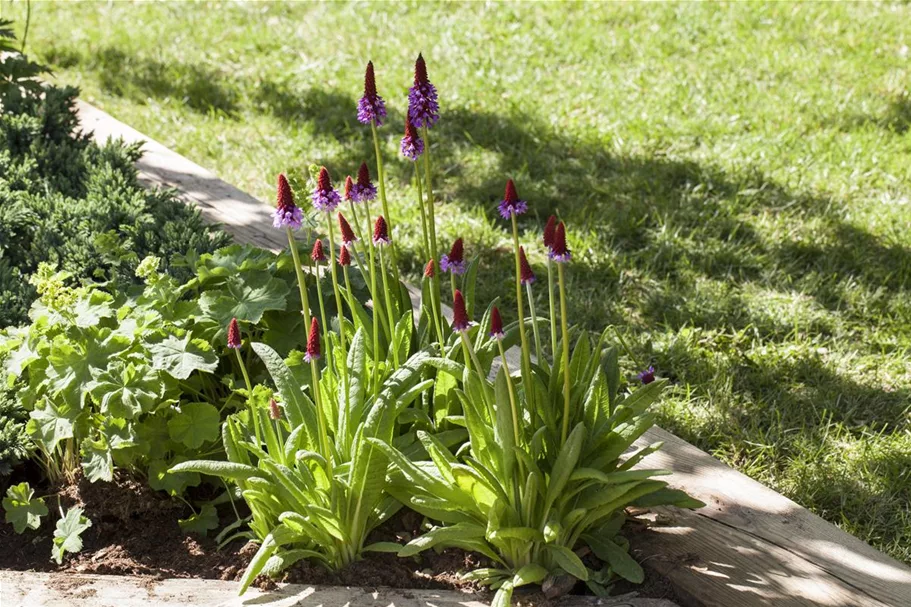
(511, 195)
(344, 258)
(370, 82)
(274, 411)
(496, 324)
(349, 185)
(558, 250)
(284, 198)
(380, 231)
(420, 70)
(526, 275)
(430, 269)
(317, 254)
(324, 183)
(347, 233)
(363, 175)
(233, 334)
(313, 352)
(460, 320)
(549, 230)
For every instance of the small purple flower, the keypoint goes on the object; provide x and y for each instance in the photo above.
(412, 144)
(325, 198)
(287, 214)
(423, 108)
(363, 190)
(371, 107)
(455, 261)
(511, 205)
(647, 376)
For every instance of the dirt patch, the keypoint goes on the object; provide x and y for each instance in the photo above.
(135, 532)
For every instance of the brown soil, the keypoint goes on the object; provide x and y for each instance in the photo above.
(135, 532)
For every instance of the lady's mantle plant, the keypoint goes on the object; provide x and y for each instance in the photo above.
(528, 460)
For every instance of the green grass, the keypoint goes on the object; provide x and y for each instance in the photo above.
(735, 179)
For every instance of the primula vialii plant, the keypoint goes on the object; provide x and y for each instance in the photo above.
(521, 456)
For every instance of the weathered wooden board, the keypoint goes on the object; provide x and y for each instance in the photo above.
(749, 546)
(31, 589)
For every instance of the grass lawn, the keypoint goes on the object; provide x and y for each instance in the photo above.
(735, 178)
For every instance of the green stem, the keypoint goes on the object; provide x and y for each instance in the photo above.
(381, 181)
(534, 324)
(565, 331)
(322, 312)
(253, 413)
(512, 393)
(301, 283)
(526, 354)
(553, 310)
(392, 344)
(426, 236)
(341, 325)
(432, 224)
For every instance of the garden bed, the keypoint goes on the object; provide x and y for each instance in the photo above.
(749, 546)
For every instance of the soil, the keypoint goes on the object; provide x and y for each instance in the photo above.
(135, 532)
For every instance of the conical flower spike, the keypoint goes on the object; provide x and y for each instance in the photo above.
(325, 198)
(558, 251)
(233, 334)
(423, 107)
(527, 276)
(313, 351)
(511, 205)
(460, 320)
(275, 411)
(363, 190)
(549, 231)
(496, 324)
(287, 214)
(380, 232)
(317, 254)
(429, 270)
(455, 261)
(344, 258)
(348, 236)
(371, 107)
(412, 144)
(349, 189)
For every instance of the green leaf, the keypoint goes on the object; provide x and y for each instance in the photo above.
(226, 470)
(127, 391)
(619, 559)
(180, 357)
(50, 425)
(441, 536)
(22, 510)
(532, 573)
(67, 535)
(669, 497)
(163, 479)
(202, 522)
(383, 547)
(568, 561)
(196, 424)
(245, 297)
(97, 462)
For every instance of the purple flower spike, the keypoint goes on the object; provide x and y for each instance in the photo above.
(647, 376)
(455, 261)
(325, 198)
(371, 107)
(363, 190)
(423, 108)
(511, 205)
(287, 214)
(412, 144)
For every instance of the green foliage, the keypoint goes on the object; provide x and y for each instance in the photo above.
(68, 534)
(121, 376)
(15, 445)
(23, 510)
(66, 200)
(523, 495)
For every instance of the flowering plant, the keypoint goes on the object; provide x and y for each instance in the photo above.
(519, 456)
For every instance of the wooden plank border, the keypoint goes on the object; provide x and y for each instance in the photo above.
(749, 546)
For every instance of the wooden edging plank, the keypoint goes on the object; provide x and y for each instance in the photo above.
(749, 546)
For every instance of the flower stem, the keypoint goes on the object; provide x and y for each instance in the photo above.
(381, 181)
(534, 324)
(341, 325)
(324, 326)
(431, 223)
(565, 331)
(553, 310)
(526, 355)
(254, 415)
(392, 344)
(301, 283)
(426, 236)
(512, 393)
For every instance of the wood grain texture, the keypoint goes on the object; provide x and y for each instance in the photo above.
(749, 546)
